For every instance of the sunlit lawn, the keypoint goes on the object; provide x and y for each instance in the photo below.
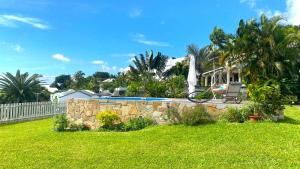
(249, 145)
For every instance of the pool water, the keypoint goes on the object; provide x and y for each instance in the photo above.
(134, 98)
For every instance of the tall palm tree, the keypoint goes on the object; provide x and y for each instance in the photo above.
(202, 57)
(21, 87)
(148, 65)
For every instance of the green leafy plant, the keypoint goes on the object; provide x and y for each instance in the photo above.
(234, 114)
(138, 123)
(269, 97)
(196, 115)
(61, 123)
(173, 116)
(110, 120)
(77, 127)
(207, 94)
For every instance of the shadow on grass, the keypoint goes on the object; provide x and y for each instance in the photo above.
(289, 120)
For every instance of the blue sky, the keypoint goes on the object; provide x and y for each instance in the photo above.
(53, 37)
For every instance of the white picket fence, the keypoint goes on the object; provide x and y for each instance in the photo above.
(27, 111)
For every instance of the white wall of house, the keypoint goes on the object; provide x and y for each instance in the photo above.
(75, 95)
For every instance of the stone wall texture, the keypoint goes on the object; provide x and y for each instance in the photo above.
(85, 111)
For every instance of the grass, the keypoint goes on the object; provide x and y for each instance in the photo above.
(249, 145)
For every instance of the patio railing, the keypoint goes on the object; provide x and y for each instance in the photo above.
(28, 111)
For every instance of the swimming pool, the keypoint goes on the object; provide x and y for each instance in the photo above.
(135, 98)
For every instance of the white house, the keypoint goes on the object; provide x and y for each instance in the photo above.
(72, 94)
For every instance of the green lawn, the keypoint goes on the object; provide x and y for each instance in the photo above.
(249, 145)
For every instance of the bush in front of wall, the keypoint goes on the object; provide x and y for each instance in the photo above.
(109, 120)
(173, 116)
(77, 127)
(195, 116)
(61, 123)
(234, 114)
(138, 123)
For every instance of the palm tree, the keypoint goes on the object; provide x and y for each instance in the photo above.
(146, 69)
(148, 65)
(21, 87)
(202, 57)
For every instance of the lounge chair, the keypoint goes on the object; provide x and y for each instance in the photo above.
(233, 93)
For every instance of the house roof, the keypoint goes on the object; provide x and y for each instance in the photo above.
(69, 92)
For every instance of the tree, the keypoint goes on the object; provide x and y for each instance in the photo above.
(62, 82)
(79, 81)
(201, 57)
(267, 50)
(180, 69)
(102, 75)
(148, 65)
(21, 87)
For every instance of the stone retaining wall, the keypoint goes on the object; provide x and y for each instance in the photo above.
(85, 111)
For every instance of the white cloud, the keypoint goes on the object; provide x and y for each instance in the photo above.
(15, 47)
(124, 70)
(18, 48)
(293, 11)
(270, 13)
(141, 38)
(98, 62)
(250, 3)
(172, 62)
(14, 20)
(60, 57)
(135, 13)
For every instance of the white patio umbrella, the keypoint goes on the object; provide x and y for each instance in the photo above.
(192, 79)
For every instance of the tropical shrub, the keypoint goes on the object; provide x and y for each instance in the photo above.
(173, 116)
(61, 123)
(196, 115)
(269, 97)
(110, 120)
(77, 127)
(138, 123)
(176, 87)
(234, 114)
(155, 88)
(133, 89)
(207, 94)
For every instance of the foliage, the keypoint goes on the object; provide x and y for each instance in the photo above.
(77, 127)
(109, 119)
(269, 97)
(176, 87)
(155, 88)
(79, 81)
(196, 115)
(234, 114)
(180, 69)
(174, 116)
(138, 123)
(148, 65)
(206, 94)
(147, 68)
(266, 49)
(61, 123)
(21, 87)
(62, 82)
(133, 89)
(201, 57)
